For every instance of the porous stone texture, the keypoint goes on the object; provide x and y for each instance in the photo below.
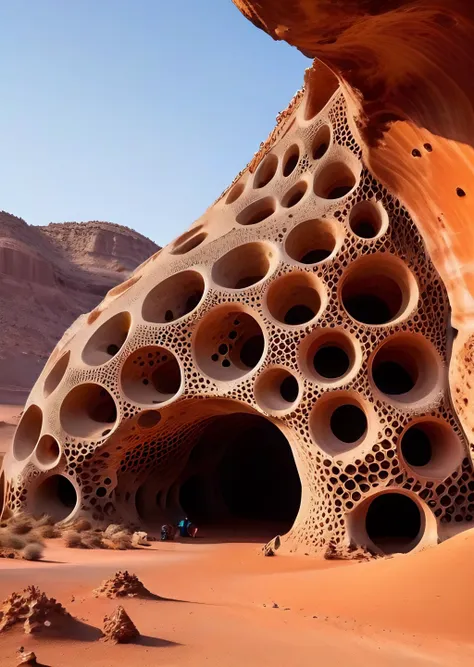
(122, 584)
(33, 609)
(305, 294)
(119, 627)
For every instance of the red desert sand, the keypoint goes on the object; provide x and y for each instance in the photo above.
(228, 605)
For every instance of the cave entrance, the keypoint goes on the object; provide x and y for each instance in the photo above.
(241, 479)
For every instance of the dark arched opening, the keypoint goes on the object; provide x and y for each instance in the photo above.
(393, 522)
(241, 477)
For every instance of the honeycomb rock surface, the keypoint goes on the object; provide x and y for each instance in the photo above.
(307, 316)
(119, 627)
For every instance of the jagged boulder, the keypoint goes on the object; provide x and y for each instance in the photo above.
(33, 608)
(119, 627)
(123, 584)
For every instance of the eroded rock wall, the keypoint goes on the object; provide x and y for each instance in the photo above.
(306, 294)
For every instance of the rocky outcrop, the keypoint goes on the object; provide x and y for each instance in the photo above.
(302, 328)
(48, 277)
(33, 609)
(406, 65)
(119, 627)
(121, 585)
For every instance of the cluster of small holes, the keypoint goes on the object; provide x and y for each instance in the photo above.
(109, 471)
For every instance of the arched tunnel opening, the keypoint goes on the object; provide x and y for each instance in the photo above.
(241, 478)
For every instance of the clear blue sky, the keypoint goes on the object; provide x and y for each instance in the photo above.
(139, 112)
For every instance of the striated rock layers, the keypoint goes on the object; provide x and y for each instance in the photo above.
(48, 277)
(291, 358)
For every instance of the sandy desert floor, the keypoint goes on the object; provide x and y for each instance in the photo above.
(408, 610)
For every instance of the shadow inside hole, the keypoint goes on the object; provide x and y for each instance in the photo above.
(348, 423)
(331, 362)
(393, 522)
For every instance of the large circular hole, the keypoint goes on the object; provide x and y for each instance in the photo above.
(151, 375)
(394, 523)
(330, 356)
(430, 448)
(55, 376)
(245, 265)
(107, 341)
(276, 390)
(334, 180)
(295, 298)
(173, 298)
(407, 369)
(48, 451)
(378, 289)
(257, 212)
(312, 241)
(88, 411)
(339, 422)
(291, 160)
(294, 195)
(368, 219)
(188, 241)
(27, 432)
(266, 171)
(56, 497)
(321, 142)
(229, 343)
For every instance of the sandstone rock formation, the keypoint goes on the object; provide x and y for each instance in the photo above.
(119, 627)
(121, 585)
(33, 609)
(292, 355)
(48, 277)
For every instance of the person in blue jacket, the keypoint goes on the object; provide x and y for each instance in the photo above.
(187, 528)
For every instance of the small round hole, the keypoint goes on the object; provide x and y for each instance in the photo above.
(321, 142)
(27, 432)
(108, 340)
(189, 241)
(368, 220)
(87, 411)
(174, 298)
(56, 375)
(378, 289)
(242, 337)
(257, 212)
(266, 171)
(151, 375)
(312, 241)
(276, 390)
(339, 422)
(430, 448)
(406, 369)
(295, 298)
(235, 192)
(295, 195)
(245, 265)
(48, 451)
(334, 181)
(291, 160)
(329, 356)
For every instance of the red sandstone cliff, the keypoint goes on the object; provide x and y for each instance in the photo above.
(48, 277)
